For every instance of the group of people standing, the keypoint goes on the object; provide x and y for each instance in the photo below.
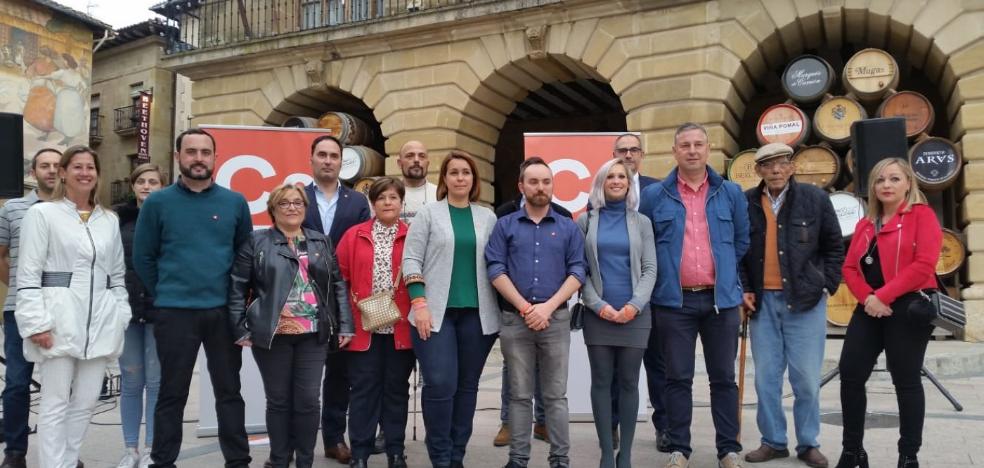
(657, 263)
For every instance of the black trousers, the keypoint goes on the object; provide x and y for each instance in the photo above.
(179, 334)
(904, 344)
(291, 372)
(656, 376)
(380, 392)
(335, 399)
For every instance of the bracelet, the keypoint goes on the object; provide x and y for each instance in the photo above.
(420, 305)
(526, 310)
(418, 300)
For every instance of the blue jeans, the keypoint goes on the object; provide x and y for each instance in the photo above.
(538, 413)
(718, 331)
(139, 370)
(783, 338)
(451, 363)
(17, 389)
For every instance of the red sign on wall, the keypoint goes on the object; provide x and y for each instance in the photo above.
(574, 158)
(254, 160)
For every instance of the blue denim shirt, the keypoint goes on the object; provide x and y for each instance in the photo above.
(727, 223)
(538, 258)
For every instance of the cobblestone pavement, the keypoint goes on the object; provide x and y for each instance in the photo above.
(951, 439)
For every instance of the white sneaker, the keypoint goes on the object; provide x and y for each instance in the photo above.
(677, 460)
(731, 460)
(145, 459)
(130, 458)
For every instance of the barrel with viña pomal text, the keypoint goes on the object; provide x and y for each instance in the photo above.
(783, 123)
(937, 163)
(807, 79)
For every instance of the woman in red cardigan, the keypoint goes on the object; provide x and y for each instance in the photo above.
(369, 256)
(891, 259)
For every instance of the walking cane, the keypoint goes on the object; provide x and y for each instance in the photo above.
(743, 334)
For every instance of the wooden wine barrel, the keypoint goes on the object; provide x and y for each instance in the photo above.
(817, 165)
(870, 73)
(832, 120)
(741, 170)
(300, 122)
(840, 306)
(807, 79)
(359, 162)
(349, 129)
(783, 123)
(849, 209)
(362, 185)
(952, 254)
(936, 162)
(913, 107)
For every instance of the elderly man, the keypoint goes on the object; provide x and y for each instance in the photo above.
(793, 264)
(697, 289)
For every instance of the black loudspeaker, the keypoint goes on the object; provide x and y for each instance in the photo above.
(873, 140)
(11, 155)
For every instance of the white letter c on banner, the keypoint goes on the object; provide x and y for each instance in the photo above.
(581, 171)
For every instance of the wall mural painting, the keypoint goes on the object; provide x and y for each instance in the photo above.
(45, 74)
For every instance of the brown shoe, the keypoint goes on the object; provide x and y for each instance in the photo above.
(502, 438)
(339, 452)
(765, 453)
(813, 458)
(540, 432)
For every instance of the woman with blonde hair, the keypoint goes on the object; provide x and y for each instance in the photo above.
(71, 302)
(140, 371)
(621, 255)
(891, 262)
(287, 300)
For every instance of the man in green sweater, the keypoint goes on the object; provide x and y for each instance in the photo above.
(185, 242)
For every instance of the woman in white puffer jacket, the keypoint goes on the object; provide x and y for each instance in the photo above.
(72, 306)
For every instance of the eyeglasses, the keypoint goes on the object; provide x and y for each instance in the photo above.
(635, 150)
(771, 164)
(284, 204)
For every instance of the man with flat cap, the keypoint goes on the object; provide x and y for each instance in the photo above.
(792, 266)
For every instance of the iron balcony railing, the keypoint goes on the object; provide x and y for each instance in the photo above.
(213, 23)
(125, 120)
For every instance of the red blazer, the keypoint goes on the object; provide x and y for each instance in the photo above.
(908, 246)
(355, 259)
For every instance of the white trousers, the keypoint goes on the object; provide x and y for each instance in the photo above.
(69, 392)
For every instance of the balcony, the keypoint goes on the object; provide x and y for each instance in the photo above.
(208, 24)
(125, 120)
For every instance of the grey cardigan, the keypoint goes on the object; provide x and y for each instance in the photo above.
(642, 255)
(429, 252)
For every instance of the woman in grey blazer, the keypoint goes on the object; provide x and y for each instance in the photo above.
(621, 258)
(453, 310)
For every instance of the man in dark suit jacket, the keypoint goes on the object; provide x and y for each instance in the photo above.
(628, 146)
(332, 209)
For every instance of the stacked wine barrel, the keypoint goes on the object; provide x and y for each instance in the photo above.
(359, 161)
(816, 122)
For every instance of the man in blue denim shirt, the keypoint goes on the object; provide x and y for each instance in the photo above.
(535, 259)
(700, 222)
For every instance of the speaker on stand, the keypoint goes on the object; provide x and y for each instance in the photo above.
(11, 155)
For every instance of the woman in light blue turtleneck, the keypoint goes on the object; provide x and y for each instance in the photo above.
(621, 257)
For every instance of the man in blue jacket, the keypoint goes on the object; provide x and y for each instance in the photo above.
(332, 210)
(698, 291)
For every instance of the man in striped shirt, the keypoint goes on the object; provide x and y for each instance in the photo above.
(17, 391)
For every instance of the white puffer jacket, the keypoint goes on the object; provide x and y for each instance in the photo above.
(70, 282)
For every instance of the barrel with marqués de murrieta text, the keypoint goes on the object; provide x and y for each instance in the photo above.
(783, 123)
(807, 79)
(936, 162)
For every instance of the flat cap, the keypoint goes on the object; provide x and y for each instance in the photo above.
(772, 150)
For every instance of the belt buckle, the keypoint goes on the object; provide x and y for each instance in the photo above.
(700, 288)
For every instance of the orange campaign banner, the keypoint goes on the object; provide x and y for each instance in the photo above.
(254, 160)
(574, 159)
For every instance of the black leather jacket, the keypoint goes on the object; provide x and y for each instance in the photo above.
(264, 272)
(809, 237)
(141, 302)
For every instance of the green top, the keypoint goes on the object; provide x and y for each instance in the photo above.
(463, 292)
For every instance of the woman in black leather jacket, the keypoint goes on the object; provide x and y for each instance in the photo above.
(298, 308)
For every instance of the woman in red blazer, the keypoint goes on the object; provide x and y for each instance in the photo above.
(891, 259)
(369, 256)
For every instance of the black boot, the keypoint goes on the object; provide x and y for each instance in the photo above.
(853, 459)
(396, 461)
(355, 463)
(908, 461)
